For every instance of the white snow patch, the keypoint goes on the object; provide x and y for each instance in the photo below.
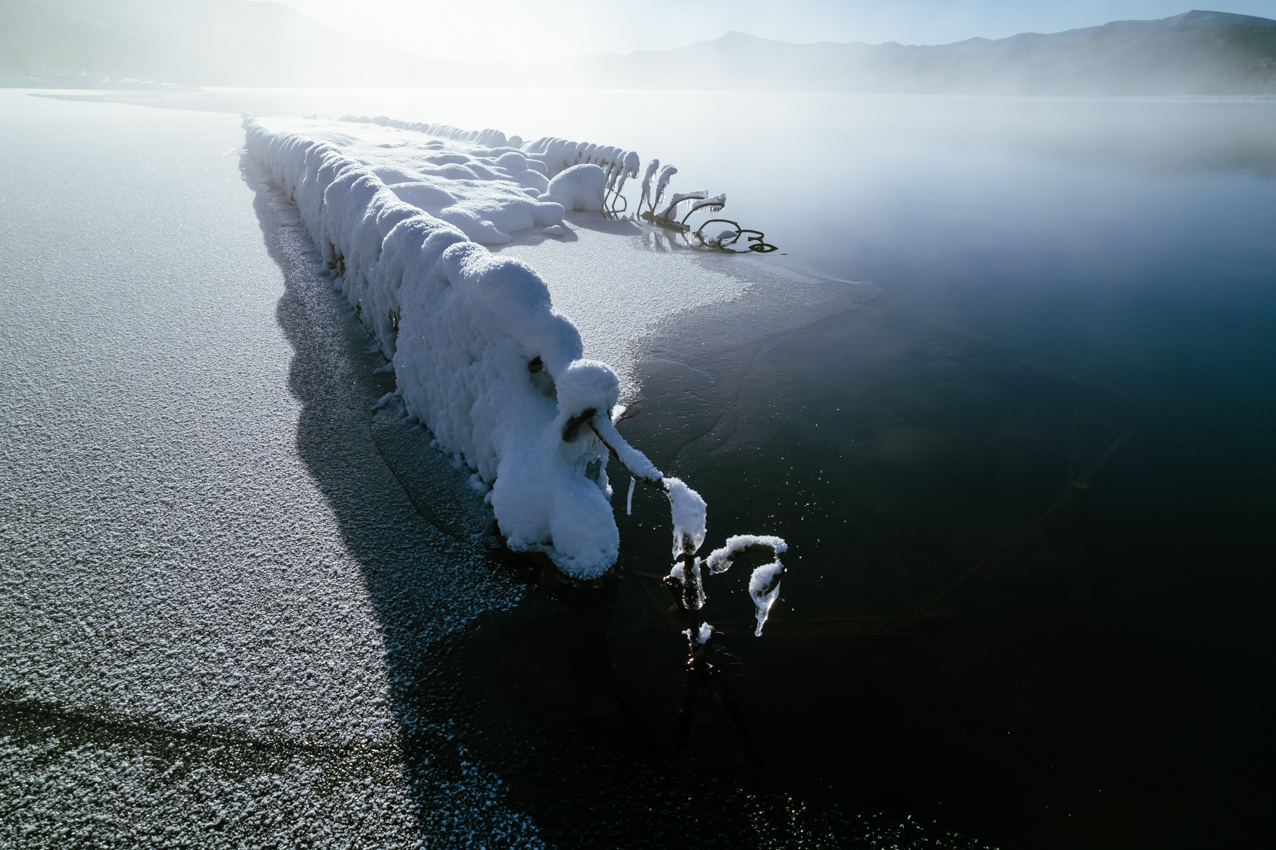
(689, 517)
(764, 588)
(579, 188)
(475, 181)
(702, 636)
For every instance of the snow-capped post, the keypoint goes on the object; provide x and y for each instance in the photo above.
(714, 204)
(671, 209)
(646, 183)
(625, 167)
(662, 183)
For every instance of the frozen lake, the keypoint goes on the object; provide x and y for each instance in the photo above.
(1014, 424)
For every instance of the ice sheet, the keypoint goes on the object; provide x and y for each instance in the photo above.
(203, 555)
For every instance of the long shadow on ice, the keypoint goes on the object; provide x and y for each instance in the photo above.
(421, 553)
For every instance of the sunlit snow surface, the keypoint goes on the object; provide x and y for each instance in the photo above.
(480, 182)
(211, 577)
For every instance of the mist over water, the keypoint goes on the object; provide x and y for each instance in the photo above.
(1050, 386)
(1051, 417)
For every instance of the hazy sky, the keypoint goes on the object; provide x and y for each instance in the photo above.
(463, 29)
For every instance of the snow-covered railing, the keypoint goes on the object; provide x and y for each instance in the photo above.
(479, 353)
(548, 157)
(705, 236)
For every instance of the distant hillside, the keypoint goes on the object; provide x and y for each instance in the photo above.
(209, 42)
(1193, 53)
(241, 43)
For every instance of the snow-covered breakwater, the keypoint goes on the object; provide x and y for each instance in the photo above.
(479, 353)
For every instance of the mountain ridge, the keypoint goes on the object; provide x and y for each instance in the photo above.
(241, 43)
(1197, 52)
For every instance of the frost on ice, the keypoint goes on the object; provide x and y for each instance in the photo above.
(480, 356)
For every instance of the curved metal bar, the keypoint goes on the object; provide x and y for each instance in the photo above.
(699, 233)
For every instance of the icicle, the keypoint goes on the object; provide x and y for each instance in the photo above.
(678, 198)
(666, 174)
(646, 183)
(764, 588)
(629, 503)
(629, 168)
(713, 204)
(679, 572)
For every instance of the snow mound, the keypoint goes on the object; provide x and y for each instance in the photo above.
(480, 355)
(581, 188)
(482, 182)
(494, 175)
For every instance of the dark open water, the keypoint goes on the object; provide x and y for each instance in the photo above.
(1028, 490)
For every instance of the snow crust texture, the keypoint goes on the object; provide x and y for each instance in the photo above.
(479, 353)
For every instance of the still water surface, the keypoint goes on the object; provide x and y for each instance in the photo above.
(1064, 394)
